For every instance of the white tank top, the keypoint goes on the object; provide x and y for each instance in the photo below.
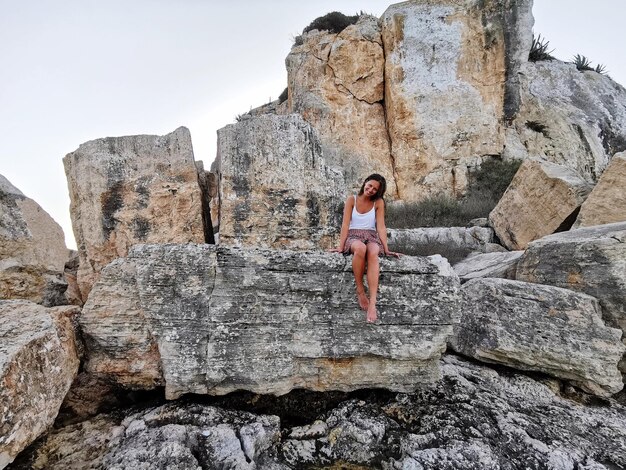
(365, 221)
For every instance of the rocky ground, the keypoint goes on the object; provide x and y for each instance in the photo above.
(476, 417)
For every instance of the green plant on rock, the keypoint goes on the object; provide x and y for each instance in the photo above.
(581, 62)
(539, 50)
(601, 69)
(334, 22)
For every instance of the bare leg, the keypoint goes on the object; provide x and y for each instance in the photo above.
(359, 250)
(373, 270)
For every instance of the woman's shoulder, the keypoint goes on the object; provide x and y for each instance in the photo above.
(350, 200)
(379, 203)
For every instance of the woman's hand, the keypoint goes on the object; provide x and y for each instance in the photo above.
(335, 250)
(393, 254)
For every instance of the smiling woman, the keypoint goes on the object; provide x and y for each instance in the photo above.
(364, 235)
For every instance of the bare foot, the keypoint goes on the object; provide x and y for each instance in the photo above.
(371, 313)
(363, 301)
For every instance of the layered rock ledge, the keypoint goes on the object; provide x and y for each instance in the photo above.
(211, 320)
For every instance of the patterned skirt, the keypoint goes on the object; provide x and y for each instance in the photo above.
(365, 236)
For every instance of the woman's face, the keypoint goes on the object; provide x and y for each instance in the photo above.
(371, 188)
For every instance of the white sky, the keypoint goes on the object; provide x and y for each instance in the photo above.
(76, 70)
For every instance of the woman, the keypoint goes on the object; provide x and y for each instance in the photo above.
(364, 235)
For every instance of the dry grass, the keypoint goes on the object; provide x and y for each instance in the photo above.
(487, 185)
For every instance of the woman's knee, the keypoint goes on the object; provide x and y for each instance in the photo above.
(372, 251)
(358, 249)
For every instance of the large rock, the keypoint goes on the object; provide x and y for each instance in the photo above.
(32, 250)
(38, 361)
(446, 86)
(214, 320)
(336, 83)
(542, 198)
(173, 436)
(571, 118)
(540, 328)
(127, 190)
(454, 243)
(498, 265)
(607, 202)
(474, 418)
(275, 189)
(590, 260)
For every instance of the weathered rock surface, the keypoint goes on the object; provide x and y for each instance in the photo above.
(336, 83)
(572, 118)
(474, 418)
(32, 250)
(38, 361)
(275, 189)
(498, 265)
(607, 202)
(542, 198)
(446, 87)
(172, 436)
(453, 243)
(127, 190)
(590, 260)
(540, 328)
(213, 320)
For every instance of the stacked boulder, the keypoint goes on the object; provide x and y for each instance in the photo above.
(127, 190)
(32, 250)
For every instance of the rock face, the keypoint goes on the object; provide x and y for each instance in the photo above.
(214, 320)
(590, 260)
(474, 418)
(445, 86)
(32, 250)
(275, 189)
(38, 361)
(127, 190)
(607, 202)
(454, 243)
(542, 198)
(173, 436)
(540, 328)
(571, 118)
(498, 265)
(336, 84)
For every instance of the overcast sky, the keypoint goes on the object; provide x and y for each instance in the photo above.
(76, 70)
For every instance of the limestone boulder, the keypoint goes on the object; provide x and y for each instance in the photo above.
(450, 79)
(607, 202)
(32, 250)
(542, 198)
(568, 117)
(591, 260)
(38, 361)
(275, 188)
(336, 83)
(454, 243)
(117, 333)
(498, 265)
(127, 190)
(211, 320)
(540, 328)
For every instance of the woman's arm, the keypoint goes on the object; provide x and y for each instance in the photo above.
(345, 225)
(381, 228)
